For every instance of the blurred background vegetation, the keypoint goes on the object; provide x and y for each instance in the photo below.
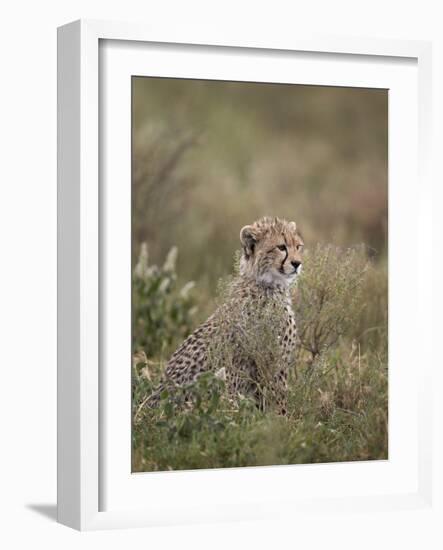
(210, 157)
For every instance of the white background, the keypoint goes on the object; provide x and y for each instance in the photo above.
(28, 265)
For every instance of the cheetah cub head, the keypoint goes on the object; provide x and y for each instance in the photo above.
(272, 252)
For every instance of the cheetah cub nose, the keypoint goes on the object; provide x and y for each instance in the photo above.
(296, 265)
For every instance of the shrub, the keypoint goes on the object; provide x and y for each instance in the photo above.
(195, 427)
(337, 402)
(337, 414)
(162, 314)
(328, 296)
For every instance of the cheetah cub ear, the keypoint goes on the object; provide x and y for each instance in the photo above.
(292, 226)
(248, 239)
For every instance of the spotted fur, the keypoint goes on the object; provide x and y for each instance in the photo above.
(270, 262)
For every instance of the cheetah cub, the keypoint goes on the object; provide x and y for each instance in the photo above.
(250, 339)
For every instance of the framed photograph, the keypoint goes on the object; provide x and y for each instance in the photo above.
(242, 281)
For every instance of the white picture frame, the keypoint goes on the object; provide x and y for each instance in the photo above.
(84, 417)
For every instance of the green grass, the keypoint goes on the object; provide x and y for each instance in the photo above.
(338, 392)
(336, 413)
